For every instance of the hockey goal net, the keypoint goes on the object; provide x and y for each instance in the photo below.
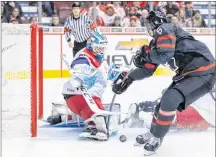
(22, 78)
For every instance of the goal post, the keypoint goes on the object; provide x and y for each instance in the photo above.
(40, 72)
(22, 78)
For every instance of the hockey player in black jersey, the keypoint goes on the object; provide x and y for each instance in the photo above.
(193, 63)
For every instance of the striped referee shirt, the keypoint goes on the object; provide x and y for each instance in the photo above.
(80, 28)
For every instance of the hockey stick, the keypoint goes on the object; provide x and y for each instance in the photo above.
(110, 110)
(88, 98)
(113, 99)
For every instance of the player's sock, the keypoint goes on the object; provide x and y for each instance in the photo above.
(153, 123)
(163, 123)
(162, 126)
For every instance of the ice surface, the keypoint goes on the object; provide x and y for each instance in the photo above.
(64, 142)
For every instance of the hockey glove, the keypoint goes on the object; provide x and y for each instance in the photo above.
(121, 83)
(139, 59)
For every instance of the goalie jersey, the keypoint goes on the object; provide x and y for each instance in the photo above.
(88, 71)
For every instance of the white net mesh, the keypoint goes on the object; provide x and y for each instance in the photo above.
(16, 89)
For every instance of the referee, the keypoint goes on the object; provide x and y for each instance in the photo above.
(80, 26)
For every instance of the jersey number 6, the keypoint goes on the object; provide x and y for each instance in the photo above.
(159, 31)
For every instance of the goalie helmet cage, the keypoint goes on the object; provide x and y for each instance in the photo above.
(22, 77)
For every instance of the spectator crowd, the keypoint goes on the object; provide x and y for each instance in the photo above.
(108, 14)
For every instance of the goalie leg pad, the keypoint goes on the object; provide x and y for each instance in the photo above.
(78, 105)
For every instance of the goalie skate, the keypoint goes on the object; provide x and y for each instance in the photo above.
(52, 120)
(88, 129)
(95, 135)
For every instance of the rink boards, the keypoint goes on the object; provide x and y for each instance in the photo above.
(123, 43)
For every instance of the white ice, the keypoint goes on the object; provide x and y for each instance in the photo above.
(58, 142)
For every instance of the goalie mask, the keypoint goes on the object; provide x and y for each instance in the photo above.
(153, 21)
(98, 45)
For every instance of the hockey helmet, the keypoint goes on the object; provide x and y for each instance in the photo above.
(154, 20)
(97, 43)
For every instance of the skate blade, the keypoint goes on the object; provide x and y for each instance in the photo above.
(84, 134)
(97, 138)
(148, 153)
(138, 144)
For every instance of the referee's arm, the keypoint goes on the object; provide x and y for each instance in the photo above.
(90, 24)
(67, 29)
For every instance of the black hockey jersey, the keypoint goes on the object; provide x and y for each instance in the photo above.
(181, 51)
(178, 49)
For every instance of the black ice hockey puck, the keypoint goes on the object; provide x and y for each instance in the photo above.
(123, 138)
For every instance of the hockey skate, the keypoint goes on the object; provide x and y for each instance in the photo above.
(99, 132)
(143, 139)
(152, 145)
(89, 127)
(97, 135)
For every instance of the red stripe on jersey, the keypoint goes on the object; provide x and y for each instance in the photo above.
(202, 68)
(166, 46)
(92, 58)
(149, 66)
(165, 37)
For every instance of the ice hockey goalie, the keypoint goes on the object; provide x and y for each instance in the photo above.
(89, 70)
